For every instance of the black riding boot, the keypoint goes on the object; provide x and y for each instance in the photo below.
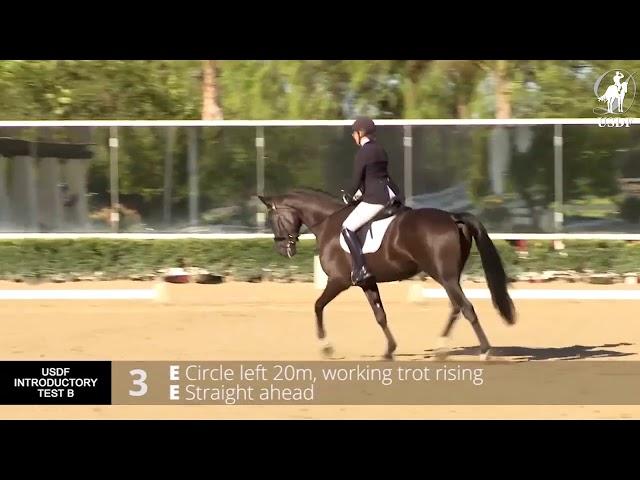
(359, 273)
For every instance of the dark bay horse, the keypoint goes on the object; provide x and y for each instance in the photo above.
(418, 240)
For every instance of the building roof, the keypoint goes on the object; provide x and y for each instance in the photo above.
(12, 147)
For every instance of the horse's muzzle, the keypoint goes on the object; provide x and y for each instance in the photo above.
(286, 245)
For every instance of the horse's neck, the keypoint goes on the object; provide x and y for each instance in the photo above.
(314, 215)
(313, 212)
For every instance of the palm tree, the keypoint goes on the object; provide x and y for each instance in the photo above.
(210, 108)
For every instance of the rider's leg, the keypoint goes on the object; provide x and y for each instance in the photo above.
(360, 215)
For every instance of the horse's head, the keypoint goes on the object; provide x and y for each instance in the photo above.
(624, 86)
(285, 223)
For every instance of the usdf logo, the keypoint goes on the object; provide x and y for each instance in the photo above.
(613, 95)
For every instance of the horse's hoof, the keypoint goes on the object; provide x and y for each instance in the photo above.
(391, 348)
(441, 351)
(485, 356)
(441, 354)
(328, 351)
(326, 348)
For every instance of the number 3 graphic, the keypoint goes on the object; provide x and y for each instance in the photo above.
(139, 382)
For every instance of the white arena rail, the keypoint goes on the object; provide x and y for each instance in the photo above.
(260, 124)
(55, 294)
(159, 293)
(304, 123)
(306, 236)
(418, 293)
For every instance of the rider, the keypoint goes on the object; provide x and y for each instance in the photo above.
(616, 80)
(372, 186)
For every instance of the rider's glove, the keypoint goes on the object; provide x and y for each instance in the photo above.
(347, 199)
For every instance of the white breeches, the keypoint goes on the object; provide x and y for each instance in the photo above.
(362, 214)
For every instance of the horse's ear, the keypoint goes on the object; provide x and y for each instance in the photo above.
(265, 200)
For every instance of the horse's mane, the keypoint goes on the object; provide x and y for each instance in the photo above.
(315, 192)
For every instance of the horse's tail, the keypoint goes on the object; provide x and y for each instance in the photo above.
(492, 265)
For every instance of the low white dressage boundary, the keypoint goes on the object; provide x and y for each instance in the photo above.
(418, 293)
(157, 293)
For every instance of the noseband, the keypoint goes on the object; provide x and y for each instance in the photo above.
(290, 238)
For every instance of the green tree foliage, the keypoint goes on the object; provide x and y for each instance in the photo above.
(297, 89)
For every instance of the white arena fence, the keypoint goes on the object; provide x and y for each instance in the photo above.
(305, 123)
(54, 294)
(320, 278)
(306, 236)
(159, 293)
(260, 126)
(417, 293)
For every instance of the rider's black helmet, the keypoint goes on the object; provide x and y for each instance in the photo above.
(364, 124)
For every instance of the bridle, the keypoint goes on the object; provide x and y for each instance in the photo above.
(290, 238)
(293, 239)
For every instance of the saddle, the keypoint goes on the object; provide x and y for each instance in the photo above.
(391, 209)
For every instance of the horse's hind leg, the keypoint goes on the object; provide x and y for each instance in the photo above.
(373, 295)
(442, 349)
(457, 297)
(331, 291)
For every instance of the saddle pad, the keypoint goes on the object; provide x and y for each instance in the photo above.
(374, 235)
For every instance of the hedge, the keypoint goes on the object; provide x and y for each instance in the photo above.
(247, 259)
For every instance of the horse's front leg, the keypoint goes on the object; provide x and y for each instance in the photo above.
(331, 291)
(373, 295)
